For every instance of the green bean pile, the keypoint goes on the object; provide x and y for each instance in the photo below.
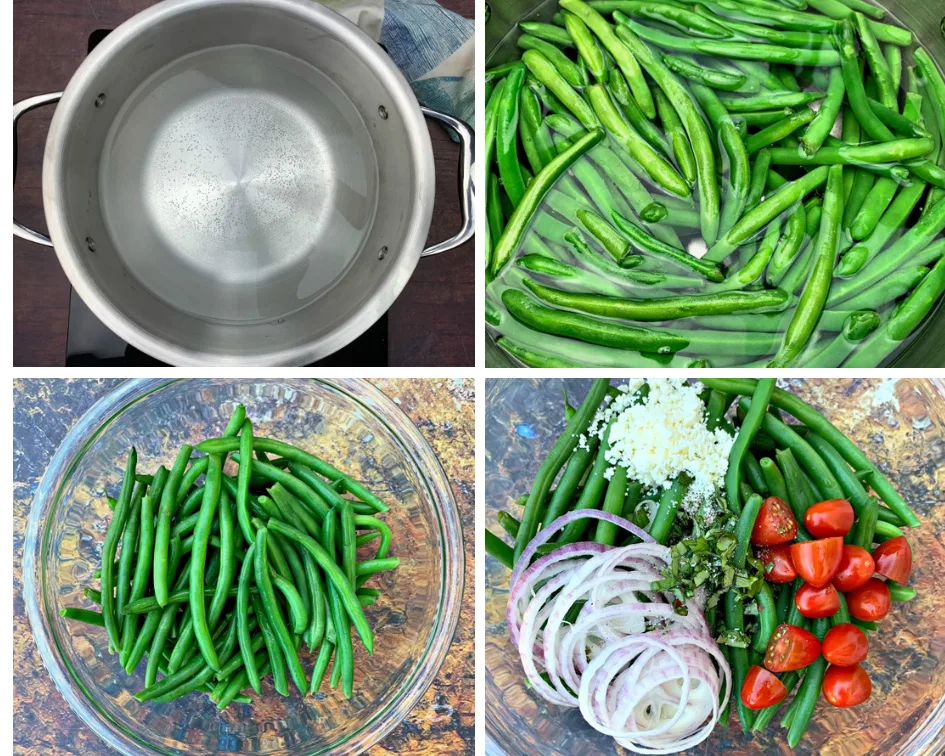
(663, 188)
(221, 582)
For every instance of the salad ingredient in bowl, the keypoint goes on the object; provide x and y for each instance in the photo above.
(702, 552)
(224, 546)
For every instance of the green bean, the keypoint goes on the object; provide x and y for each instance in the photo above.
(208, 509)
(624, 58)
(499, 549)
(620, 91)
(759, 174)
(824, 428)
(547, 32)
(816, 290)
(658, 169)
(809, 692)
(163, 629)
(695, 129)
(746, 523)
(163, 528)
(529, 312)
(735, 50)
(83, 615)
(665, 516)
(668, 308)
(560, 451)
(901, 592)
(739, 170)
(566, 67)
(916, 244)
(673, 126)
(888, 91)
(247, 651)
(671, 15)
(522, 216)
(334, 575)
(142, 574)
(767, 617)
(904, 320)
(274, 653)
(756, 219)
(271, 608)
(593, 490)
(706, 76)
(586, 45)
(110, 546)
(129, 542)
(774, 478)
(734, 620)
(235, 422)
(613, 503)
(746, 433)
(778, 131)
(648, 243)
(784, 37)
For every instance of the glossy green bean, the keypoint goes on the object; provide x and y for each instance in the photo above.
(817, 288)
(110, 546)
(695, 127)
(623, 56)
(270, 606)
(208, 509)
(162, 533)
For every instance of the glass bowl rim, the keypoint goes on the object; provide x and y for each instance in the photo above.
(97, 419)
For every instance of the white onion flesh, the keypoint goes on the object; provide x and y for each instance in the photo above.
(638, 671)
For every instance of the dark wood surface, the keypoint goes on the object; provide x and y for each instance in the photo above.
(431, 323)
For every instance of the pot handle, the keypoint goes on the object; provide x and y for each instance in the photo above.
(22, 107)
(466, 188)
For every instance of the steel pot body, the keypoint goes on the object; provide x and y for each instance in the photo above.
(241, 182)
(927, 22)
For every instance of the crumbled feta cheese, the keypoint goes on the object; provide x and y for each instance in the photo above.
(663, 435)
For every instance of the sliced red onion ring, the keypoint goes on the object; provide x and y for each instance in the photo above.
(637, 670)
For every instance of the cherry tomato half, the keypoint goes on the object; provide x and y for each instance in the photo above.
(833, 517)
(869, 602)
(856, 567)
(817, 561)
(846, 686)
(762, 689)
(774, 524)
(845, 645)
(781, 569)
(894, 559)
(816, 602)
(791, 647)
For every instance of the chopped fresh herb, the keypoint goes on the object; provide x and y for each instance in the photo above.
(703, 561)
(733, 638)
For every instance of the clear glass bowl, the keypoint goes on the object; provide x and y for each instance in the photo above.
(348, 422)
(900, 425)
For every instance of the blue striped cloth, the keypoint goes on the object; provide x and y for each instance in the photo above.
(435, 49)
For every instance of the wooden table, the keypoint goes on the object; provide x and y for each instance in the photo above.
(441, 723)
(431, 323)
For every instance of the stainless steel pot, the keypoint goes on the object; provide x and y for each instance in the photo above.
(244, 182)
(926, 20)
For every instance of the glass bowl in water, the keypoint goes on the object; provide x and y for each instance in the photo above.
(347, 422)
(901, 427)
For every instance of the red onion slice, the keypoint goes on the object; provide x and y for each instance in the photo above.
(637, 670)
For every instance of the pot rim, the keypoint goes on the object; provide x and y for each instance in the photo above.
(421, 208)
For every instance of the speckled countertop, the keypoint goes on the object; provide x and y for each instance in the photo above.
(44, 411)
